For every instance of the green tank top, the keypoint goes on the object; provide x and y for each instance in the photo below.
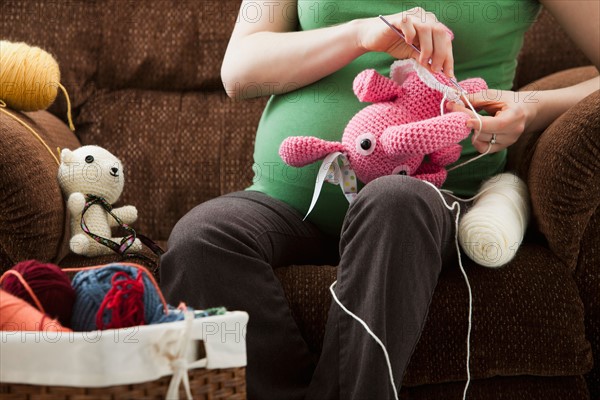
(487, 40)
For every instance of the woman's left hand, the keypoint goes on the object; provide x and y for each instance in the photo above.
(510, 114)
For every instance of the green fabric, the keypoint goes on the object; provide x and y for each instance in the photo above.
(488, 37)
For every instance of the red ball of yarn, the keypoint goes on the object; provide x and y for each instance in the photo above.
(50, 284)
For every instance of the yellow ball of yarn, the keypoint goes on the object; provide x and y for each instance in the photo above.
(29, 77)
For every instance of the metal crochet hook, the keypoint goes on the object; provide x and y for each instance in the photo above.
(397, 31)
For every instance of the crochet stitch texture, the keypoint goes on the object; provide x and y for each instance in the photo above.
(396, 132)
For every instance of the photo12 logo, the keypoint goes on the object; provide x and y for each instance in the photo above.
(52, 332)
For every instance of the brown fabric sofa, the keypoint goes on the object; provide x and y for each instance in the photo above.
(144, 81)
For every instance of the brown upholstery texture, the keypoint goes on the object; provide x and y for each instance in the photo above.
(588, 282)
(307, 291)
(195, 147)
(521, 154)
(32, 215)
(503, 388)
(144, 81)
(546, 49)
(564, 181)
(164, 44)
(563, 178)
(527, 319)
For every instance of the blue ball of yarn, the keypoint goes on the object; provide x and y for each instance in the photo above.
(91, 286)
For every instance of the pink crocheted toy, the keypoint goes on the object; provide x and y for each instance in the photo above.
(395, 133)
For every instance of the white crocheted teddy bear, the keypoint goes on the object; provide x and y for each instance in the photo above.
(92, 170)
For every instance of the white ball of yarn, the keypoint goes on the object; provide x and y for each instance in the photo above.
(492, 231)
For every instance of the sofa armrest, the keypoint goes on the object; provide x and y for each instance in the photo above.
(32, 209)
(520, 153)
(554, 165)
(563, 179)
(562, 168)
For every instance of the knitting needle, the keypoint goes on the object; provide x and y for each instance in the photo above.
(452, 80)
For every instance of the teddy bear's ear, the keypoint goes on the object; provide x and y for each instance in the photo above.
(370, 86)
(299, 151)
(66, 155)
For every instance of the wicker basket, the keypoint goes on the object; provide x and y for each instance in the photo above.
(228, 382)
(205, 384)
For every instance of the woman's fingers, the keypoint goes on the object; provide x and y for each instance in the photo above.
(449, 65)
(409, 31)
(504, 125)
(442, 57)
(489, 125)
(482, 147)
(423, 30)
(425, 43)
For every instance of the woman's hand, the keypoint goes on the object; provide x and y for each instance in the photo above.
(513, 113)
(421, 28)
(510, 115)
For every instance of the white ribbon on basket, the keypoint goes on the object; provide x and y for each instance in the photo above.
(180, 365)
(331, 171)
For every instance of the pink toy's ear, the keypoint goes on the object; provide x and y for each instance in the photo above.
(370, 86)
(299, 151)
(473, 85)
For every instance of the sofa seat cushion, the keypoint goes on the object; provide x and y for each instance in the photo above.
(527, 319)
(503, 388)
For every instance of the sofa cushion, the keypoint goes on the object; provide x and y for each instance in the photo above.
(178, 148)
(504, 388)
(164, 44)
(546, 49)
(587, 278)
(527, 319)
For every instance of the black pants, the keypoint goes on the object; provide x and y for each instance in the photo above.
(395, 238)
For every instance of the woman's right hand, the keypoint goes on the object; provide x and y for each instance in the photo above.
(421, 28)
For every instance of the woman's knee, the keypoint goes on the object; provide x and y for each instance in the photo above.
(396, 196)
(214, 222)
(191, 228)
(205, 243)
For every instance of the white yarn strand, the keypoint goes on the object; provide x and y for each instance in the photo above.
(470, 160)
(373, 335)
(455, 205)
(462, 269)
(442, 112)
